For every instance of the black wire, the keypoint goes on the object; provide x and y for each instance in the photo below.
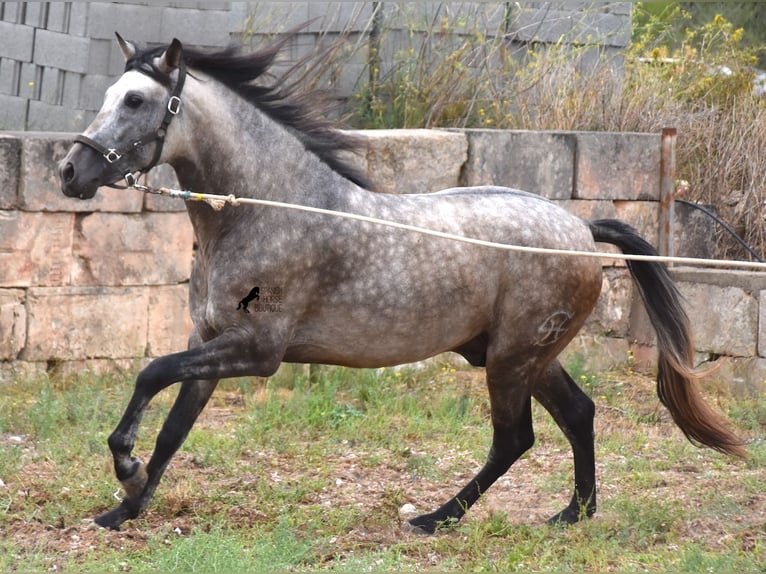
(723, 224)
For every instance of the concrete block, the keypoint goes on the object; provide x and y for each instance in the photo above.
(269, 18)
(693, 233)
(724, 320)
(414, 161)
(163, 176)
(62, 51)
(590, 210)
(18, 41)
(70, 97)
(34, 14)
(338, 16)
(100, 57)
(42, 117)
(132, 249)
(73, 323)
(10, 71)
(574, 24)
(642, 216)
(13, 323)
(11, 12)
(92, 90)
(133, 22)
(751, 281)
(194, 27)
(30, 78)
(538, 162)
(13, 112)
(52, 86)
(15, 371)
(611, 316)
(600, 166)
(10, 170)
(40, 188)
(594, 353)
(743, 377)
(35, 248)
(58, 16)
(78, 18)
(169, 320)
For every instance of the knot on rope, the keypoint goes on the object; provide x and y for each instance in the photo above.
(216, 204)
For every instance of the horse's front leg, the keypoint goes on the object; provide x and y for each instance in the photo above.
(199, 368)
(139, 480)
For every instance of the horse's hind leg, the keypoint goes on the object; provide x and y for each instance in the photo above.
(511, 410)
(140, 481)
(573, 411)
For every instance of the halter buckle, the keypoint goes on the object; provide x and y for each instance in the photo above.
(130, 179)
(112, 155)
(174, 105)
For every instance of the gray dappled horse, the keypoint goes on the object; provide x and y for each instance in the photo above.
(353, 293)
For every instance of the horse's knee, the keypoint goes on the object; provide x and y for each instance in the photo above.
(119, 444)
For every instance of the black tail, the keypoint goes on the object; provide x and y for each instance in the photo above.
(676, 376)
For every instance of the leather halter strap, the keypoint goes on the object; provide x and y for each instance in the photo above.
(115, 156)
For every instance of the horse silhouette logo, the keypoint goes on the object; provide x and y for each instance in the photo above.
(254, 295)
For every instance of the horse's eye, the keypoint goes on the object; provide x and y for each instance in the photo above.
(133, 101)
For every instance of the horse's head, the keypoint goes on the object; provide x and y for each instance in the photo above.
(127, 135)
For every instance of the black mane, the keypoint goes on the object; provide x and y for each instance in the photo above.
(302, 112)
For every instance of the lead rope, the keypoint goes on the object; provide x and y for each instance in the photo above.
(218, 202)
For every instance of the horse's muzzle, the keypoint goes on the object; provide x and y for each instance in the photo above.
(81, 172)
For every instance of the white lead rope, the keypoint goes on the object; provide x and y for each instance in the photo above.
(218, 201)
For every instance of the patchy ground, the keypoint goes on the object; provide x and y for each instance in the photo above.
(384, 490)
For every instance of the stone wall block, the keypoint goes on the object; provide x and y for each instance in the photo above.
(73, 323)
(169, 320)
(724, 320)
(35, 248)
(538, 162)
(132, 249)
(134, 22)
(414, 161)
(18, 41)
(62, 51)
(643, 216)
(10, 169)
(163, 176)
(611, 316)
(13, 323)
(202, 28)
(600, 166)
(13, 111)
(40, 188)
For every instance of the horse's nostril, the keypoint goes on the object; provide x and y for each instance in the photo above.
(67, 174)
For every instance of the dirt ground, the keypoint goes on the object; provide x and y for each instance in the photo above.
(516, 494)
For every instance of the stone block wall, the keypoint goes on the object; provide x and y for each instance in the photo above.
(103, 282)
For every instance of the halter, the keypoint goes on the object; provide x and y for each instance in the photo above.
(115, 156)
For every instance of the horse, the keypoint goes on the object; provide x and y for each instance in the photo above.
(223, 123)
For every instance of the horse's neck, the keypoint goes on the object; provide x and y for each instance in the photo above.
(240, 151)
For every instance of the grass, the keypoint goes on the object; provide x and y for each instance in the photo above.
(310, 473)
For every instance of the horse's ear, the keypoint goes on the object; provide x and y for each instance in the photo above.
(128, 48)
(171, 59)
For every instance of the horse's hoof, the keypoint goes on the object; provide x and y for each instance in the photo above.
(429, 524)
(107, 520)
(570, 516)
(419, 529)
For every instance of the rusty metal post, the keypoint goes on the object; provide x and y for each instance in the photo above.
(667, 190)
